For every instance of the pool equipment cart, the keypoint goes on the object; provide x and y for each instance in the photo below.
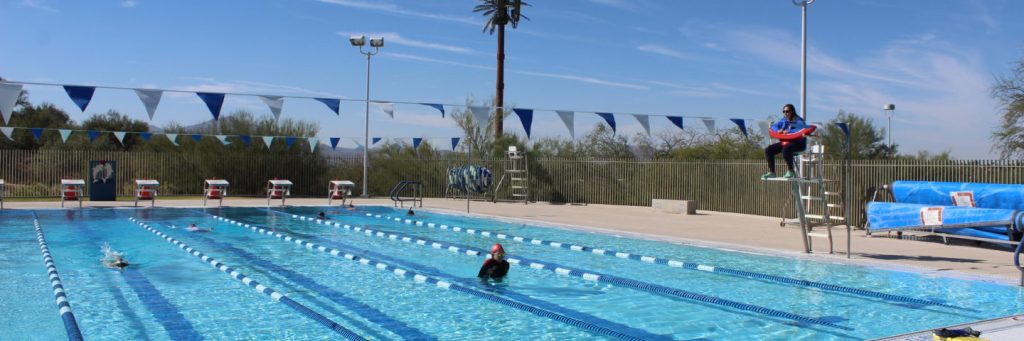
(215, 189)
(339, 190)
(72, 190)
(278, 189)
(146, 190)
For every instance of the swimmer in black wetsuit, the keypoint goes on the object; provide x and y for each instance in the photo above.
(496, 267)
(410, 212)
(323, 216)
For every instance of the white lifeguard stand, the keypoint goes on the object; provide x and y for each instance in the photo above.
(339, 190)
(72, 190)
(215, 189)
(146, 190)
(1, 194)
(278, 189)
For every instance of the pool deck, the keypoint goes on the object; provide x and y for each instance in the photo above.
(716, 229)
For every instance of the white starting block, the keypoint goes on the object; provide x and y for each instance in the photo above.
(339, 190)
(146, 190)
(72, 190)
(215, 189)
(278, 189)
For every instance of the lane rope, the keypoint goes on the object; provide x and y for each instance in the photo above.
(61, 298)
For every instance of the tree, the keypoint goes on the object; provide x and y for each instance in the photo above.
(114, 121)
(499, 14)
(866, 141)
(1009, 91)
(45, 116)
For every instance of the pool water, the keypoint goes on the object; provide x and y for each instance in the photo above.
(380, 274)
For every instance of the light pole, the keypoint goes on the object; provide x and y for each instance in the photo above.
(803, 56)
(890, 109)
(376, 43)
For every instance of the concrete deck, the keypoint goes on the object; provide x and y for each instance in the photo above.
(717, 229)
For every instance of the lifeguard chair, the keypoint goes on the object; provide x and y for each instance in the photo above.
(339, 190)
(214, 189)
(72, 190)
(278, 189)
(146, 190)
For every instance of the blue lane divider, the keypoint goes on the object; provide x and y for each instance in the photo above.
(274, 295)
(370, 313)
(584, 274)
(628, 334)
(681, 264)
(165, 313)
(70, 324)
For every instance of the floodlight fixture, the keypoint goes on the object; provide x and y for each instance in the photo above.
(357, 40)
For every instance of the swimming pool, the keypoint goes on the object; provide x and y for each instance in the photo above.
(375, 273)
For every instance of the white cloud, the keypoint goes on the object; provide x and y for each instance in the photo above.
(395, 38)
(128, 3)
(39, 4)
(206, 84)
(584, 79)
(663, 50)
(392, 8)
(432, 60)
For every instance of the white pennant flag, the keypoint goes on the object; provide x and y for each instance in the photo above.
(387, 107)
(313, 142)
(358, 145)
(267, 140)
(223, 139)
(709, 123)
(8, 131)
(644, 121)
(173, 138)
(120, 136)
(764, 126)
(150, 99)
(481, 114)
(275, 103)
(567, 118)
(8, 99)
(64, 134)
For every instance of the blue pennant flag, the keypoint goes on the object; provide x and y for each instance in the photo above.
(740, 124)
(197, 137)
(146, 136)
(245, 139)
(608, 117)
(439, 107)
(289, 141)
(845, 128)
(375, 140)
(677, 120)
(455, 142)
(525, 116)
(334, 142)
(333, 103)
(37, 132)
(214, 102)
(416, 142)
(81, 95)
(93, 135)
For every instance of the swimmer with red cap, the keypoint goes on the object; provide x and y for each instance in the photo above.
(495, 267)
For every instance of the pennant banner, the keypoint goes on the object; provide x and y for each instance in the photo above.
(150, 99)
(37, 132)
(740, 123)
(676, 120)
(416, 142)
(289, 141)
(526, 117)
(246, 139)
(332, 103)
(709, 123)
(267, 140)
(8, 131)
(455, 142)
(81, 95)
(608, 117)
(439, 107)
(313, 142)
(171, 137)
(645, 122)
(481, 114)
(358, 145)
(387, 107)
(845, 128)
(8, 99)
(275, 103)
(146, 136)
(64, 133)
(334, 143)
(223, 139)
(197, 137)
(120, 136)
(93, 135)
(374, 140)
(567, 118)
(214, 102)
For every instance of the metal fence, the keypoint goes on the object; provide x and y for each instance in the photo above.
(717, 185)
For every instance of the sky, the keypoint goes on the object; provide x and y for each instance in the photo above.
(936, 61)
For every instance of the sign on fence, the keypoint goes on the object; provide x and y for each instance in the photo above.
(102, 180)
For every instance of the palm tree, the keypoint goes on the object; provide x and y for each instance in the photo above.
(500, 13)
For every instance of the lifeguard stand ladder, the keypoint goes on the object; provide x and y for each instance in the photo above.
(518, 174)
(810, 197)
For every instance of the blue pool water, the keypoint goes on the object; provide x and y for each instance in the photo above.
(414, 279)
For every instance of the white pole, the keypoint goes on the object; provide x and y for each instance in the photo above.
(366, 134)
(803, 56)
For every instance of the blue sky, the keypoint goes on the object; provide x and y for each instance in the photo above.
(935, 60)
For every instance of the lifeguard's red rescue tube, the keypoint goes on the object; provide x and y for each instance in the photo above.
(786, 137)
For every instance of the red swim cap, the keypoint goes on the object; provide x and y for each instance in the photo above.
(497, 248)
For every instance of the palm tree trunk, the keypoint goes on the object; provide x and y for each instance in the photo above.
(499, 97)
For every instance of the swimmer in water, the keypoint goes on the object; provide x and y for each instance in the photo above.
(193, 228)
(323, 216)
(495, 267)
(351, 206)
(113, 259)
(410, 213)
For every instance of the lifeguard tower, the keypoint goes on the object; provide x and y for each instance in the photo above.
(215, 189)
(278, 189)
(146, 190)
(339, 190)
(72, 190)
